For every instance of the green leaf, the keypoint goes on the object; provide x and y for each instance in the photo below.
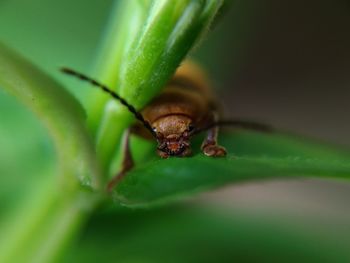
(15, 129)
(192, 234)
(252, 156)
(60, 113)
(54, 205)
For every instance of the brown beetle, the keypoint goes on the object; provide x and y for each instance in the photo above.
(185, 107)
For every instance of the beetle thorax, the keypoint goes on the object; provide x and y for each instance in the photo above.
(172, 125)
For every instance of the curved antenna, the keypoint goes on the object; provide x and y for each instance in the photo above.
(248, 125)
(131, 108)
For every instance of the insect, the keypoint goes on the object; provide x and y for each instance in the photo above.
(185, 107)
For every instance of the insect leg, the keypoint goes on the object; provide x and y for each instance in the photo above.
(210, 145)
(127, 162)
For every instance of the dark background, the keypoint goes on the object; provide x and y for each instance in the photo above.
(285, 62)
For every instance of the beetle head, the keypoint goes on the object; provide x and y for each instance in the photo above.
(173, 135)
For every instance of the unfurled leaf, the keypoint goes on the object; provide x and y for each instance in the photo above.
(252, 156)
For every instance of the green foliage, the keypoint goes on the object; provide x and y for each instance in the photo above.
(57, 109)
(63, 117)
(195, 234)
(252, 156)
(145, 41)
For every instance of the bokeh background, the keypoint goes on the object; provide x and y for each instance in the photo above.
(282, 62)
(287, 63)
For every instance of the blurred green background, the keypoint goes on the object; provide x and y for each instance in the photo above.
(284, 62)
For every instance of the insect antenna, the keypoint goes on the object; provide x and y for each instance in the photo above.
(131, 108)
(248, 125)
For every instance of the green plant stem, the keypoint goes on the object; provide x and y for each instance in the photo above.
(140, 66)
(45, 224)
(126, 19)
(111, 133)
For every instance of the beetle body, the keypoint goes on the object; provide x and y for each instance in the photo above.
(185, 104)
(185, 107)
